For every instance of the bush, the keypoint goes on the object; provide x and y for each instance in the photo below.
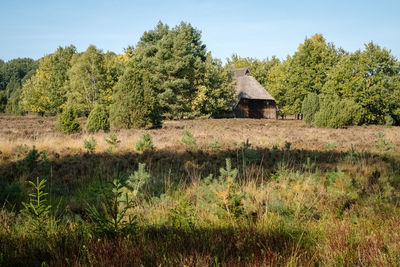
(145, 142)
(389, 121)
(90, 145)
(98, 119)
(336, 113)
(113, 141)
(68, 121)
(310, 107)
(112, 218)
(188, 138)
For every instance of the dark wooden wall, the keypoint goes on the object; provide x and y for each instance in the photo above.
(255, 108)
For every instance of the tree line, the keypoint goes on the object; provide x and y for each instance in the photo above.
(169, 74)
(332, 87)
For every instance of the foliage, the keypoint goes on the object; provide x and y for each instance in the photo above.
(37, 206)
(67, 121)
(369, 78)
(14, 105)
(215, 145)
(305, 72)
(215, 95)
(383, 144)
(45, 92)
(90, 145)
(181, 215)
(310, 107)
(227, 192)
(13, 74)
(37, 209)
(388, 120)
(246, 154)
(111, 218)
(117, 199)
(138, 179)
(98, 119)
(176, 59)
(87, 80)
(113, 141)
(134, 101)
(188, 138)
(145, 142)
(336, 113)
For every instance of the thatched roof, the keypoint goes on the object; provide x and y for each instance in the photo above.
(248, 87)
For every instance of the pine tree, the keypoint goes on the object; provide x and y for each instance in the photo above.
(134, 101)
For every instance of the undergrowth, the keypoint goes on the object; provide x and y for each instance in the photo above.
(241, 206)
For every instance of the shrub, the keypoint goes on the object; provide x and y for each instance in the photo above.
(113, 141)
(145, 142)
(188, 138)
(227, 190)
(37, 209)
(117, 198)
(182, 215)
(310, 107)
(68, 121)
(330, 145)
(336, 113)
(112, 218)
(90, 145)
(389, 121)
(98, 119)
(137, 179)
(383, 144)
(215, 145)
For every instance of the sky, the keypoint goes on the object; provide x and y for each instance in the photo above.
(252, 28)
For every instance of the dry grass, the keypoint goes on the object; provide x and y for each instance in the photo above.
(32, 130)
(332, 199)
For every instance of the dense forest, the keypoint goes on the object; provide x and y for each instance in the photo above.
(169, 74)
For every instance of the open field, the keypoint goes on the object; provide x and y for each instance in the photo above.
(293, 195)
(38, 131)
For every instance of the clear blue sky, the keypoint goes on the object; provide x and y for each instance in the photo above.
(249, 28)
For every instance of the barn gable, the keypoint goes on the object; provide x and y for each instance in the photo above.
(253, 100)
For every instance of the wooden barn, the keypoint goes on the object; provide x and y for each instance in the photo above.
(253, 100)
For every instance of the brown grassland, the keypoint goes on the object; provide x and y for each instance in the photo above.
(302, 196)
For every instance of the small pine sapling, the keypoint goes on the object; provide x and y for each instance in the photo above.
(188, 138)
(145, 142)
(90, 145)
(113, 141)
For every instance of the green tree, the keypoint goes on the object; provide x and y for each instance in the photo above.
(67, 121)
(13, 75)
(14, 105)
(98, 119)
(336, 113)
(87, 80)
(371, 79)
(3, 100)
(305, 72)
(310, 107)
(176, 59)
(46, 91)
(113, 68)
(216, 94)
(134, 100)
